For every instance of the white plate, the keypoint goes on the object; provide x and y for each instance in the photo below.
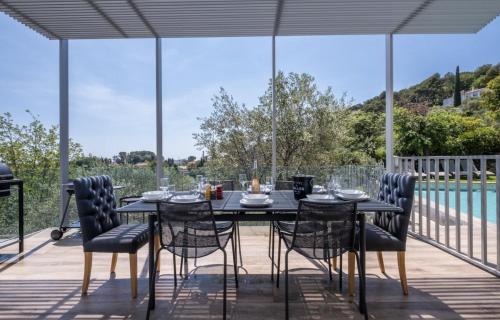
(150, 199)
(153, 195)
(266, 203)
(185, 198)
(320, 197)
(362, 198)
(351, 194)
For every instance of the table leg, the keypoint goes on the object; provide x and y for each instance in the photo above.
(362, 261)
(151, 259)
(21, 216)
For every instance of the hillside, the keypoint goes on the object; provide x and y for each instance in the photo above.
(431, 91)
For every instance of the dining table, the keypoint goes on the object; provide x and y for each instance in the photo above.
(283, 208)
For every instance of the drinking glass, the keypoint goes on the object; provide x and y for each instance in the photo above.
(269, 184)
(195, 190)
(164, 185)
(243, 181)
(171, 189)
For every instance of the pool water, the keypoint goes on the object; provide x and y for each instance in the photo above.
(476, 198)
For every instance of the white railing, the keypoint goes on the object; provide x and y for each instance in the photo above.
(457, 205)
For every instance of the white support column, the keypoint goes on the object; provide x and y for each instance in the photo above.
(159, 117)
(63, 121)
(389, 95)
(274, 113)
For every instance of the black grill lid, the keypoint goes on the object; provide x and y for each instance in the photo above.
(5, 174)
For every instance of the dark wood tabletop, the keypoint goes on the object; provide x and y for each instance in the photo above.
(283, 201)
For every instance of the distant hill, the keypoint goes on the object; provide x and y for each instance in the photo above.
(432, 90)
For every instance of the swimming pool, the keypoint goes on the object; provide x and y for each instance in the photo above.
(476, 198)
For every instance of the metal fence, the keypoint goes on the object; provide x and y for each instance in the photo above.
(457, 205)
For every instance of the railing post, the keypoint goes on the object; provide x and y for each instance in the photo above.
(420, 196)
(437, 230)
(446, 202)
(484, 214)
(497, 173)
(470, 217)
(428, 196)
(412, 172)
(458, 214)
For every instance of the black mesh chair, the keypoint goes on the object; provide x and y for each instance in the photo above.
(279, 186)
(101, 228)
(189, 230)
(321, 231)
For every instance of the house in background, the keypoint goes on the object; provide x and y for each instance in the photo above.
(471, 94)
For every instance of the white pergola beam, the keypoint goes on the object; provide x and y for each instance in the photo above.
(389, 101)
(63, 121)
(159, 114)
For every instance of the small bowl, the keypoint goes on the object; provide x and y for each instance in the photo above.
(255, 197)
(319, 197)
(184, 198)
(351, 193)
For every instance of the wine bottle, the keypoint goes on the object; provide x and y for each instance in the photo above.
(255, 179)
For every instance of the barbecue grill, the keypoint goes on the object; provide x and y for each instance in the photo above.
(7, 180)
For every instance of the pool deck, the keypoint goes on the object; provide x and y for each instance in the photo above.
(45, 283)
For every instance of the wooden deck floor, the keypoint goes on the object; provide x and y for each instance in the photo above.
(45, 283)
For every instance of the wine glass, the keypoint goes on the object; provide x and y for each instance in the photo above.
(269, 184)
(164, 182)
(243, 181)
(171, 189)
(195, 190)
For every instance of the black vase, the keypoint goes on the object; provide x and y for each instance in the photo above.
(302, 186)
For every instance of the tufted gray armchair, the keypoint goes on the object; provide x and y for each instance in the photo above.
(389, 229)
(101, 228)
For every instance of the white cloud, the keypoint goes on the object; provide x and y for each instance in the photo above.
(102, 103)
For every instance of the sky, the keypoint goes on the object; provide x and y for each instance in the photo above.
(112, 82)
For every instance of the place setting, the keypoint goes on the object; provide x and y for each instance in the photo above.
(256, 200)
(333, 192)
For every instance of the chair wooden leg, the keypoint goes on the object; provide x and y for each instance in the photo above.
(402, 272)
(114, 258)
(380, 258)
(133, 274)
(351, 264)
(334, 263)
(157, 248)
(86, 272)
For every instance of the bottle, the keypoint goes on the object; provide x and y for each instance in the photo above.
(255, 179)
(208, 191)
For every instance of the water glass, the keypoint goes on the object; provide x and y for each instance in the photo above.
(243, 181)
(164, 182)
(171, 189)
(195, 190)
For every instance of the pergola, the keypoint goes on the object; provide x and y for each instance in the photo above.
(65, 20)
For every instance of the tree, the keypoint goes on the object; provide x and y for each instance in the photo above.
(191, 158)
(310, 126)
(32, 152)
(457, 96)
(491, 96)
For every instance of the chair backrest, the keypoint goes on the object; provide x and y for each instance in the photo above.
(96, 206)
(188, 228)
(283, 185)
(399, 190)
(324, 230)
